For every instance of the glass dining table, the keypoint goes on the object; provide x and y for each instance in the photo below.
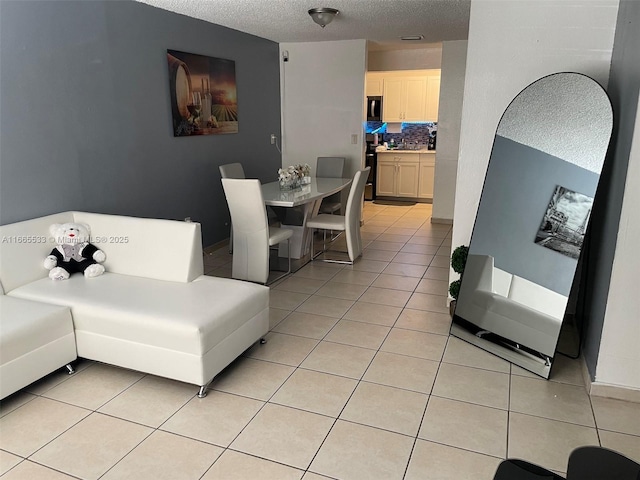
(295, 207)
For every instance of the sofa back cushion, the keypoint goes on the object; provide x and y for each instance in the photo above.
(537, 297)
(23, 248)
(147, 247)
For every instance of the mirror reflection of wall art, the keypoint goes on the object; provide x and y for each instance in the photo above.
(565, 222)
(203, 94)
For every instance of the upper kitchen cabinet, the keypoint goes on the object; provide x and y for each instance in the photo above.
(408, 95)
(374, 82)
(433, 97)
(404, 99)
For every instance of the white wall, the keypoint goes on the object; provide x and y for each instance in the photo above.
(322, 89)
(406, 59)
(454, 58)
(619, 359)
(512, 44)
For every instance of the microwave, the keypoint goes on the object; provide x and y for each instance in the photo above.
(374, 109)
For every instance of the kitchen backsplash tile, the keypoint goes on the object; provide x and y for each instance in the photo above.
(411, 132)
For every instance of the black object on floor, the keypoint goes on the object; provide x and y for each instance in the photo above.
(596, 463)
(514, 469)
(395, 203)
(585, 463)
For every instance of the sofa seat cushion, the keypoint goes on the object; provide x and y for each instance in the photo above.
(517, 312)
(538, 297)
(26, 326)
(187, 317)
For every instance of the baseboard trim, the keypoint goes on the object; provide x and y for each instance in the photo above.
(444, 221)
(599, 389)
(617, 392)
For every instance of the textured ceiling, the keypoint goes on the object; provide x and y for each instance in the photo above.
(382, 22)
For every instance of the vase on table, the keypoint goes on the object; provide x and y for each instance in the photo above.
(289, 183)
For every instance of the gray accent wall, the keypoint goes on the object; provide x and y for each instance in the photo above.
(85, 117)
(623, 89)
(518, 186)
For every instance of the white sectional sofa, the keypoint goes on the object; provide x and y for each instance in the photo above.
(510, 306)
(153, 310)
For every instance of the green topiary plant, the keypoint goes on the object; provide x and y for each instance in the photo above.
(454, 289)
(459, 258)
(458, 262)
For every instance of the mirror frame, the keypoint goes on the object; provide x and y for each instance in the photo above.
(577, 112)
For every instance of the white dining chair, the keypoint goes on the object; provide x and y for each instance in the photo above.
(252, 235)
(349, 222)
(330, 167)
(235, 170)
(231, 170)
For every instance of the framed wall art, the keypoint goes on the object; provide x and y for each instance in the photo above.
(565, 222)
(203, 94)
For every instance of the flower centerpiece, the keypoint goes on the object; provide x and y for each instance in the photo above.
(306, 173)
(293, 176)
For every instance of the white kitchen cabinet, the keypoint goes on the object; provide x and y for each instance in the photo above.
(374, 83)
(392, 108)
(397, 175)
(433, 98)
(426, 175)
(408, 95)
(407, 178)
(386, 177)
(404, 99)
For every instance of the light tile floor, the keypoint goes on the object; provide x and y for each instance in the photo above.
(359, 380)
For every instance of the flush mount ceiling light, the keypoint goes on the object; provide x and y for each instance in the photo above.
(412, 38)
(323, 16)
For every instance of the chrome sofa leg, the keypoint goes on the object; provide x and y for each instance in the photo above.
(203, 390)
(70, 369)
(263, 341)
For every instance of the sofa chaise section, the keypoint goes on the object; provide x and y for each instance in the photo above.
(153, 310)
(185, 331)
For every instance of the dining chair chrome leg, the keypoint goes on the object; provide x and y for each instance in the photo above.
(332, 237)
(314, 255)
(324, 249)
(284, 274)
(289, 255)
(333, 260)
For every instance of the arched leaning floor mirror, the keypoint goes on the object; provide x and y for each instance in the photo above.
(545, 164)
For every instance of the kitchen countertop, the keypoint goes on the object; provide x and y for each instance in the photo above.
(399, 150)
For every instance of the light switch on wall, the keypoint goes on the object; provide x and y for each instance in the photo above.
(354, 139)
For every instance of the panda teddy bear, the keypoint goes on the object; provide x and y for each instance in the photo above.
(74, 253)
